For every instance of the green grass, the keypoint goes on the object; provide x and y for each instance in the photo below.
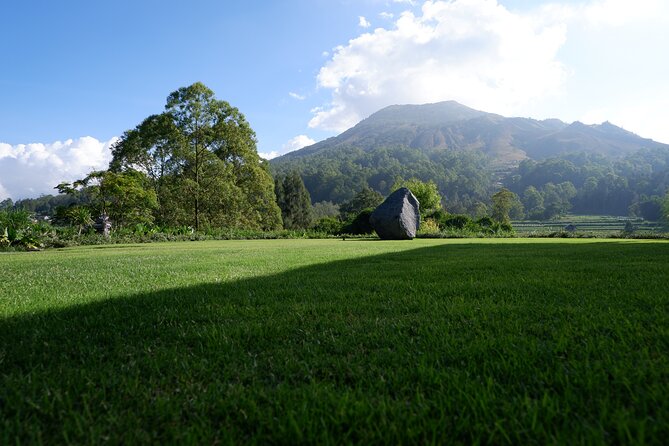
(328, 341)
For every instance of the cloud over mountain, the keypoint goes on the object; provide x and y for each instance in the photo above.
(475, 51)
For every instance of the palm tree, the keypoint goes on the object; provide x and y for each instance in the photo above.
(81, 216)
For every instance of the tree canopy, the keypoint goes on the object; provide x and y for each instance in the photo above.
(506, 205)
(201, 160)
(425, 191)
(294, 201)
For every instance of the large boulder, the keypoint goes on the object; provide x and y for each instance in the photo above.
(397, 218)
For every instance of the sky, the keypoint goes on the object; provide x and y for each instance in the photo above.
(74, 75)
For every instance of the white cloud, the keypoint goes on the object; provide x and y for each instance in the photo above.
(621, 12)
(297, 143)
(646, 119)
(363, 22)
(30, 170)
(387, 15)
(297, 96)
(293, 144)
(4, 193)
(269, 155)
(473, 51)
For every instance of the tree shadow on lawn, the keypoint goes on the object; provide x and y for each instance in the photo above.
(504, 343)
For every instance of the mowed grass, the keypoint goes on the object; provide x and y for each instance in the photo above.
(336, 342)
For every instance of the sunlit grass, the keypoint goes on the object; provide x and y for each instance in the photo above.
(330, 341)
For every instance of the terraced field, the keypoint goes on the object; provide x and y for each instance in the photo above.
(596, 225)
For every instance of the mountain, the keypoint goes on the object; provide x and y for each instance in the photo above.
(456, 146)
(453, 126)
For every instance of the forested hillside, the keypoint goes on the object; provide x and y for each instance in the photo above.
(463, 177)
(587, 183)
(553, 166)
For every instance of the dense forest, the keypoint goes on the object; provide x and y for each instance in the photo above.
(463, 178)
(196, 164)
(583, 183)
(553, 167)
(579, 183)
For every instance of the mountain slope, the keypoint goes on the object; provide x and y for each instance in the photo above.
(453, 126)
(465, 151)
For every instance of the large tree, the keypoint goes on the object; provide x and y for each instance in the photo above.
(201, 157)
(665, 208)
(426, 192)
(366, 198)
(505, 205)
(123, 196)
(294, 201)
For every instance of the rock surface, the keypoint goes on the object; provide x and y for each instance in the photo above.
(102, 225)
(397, 218)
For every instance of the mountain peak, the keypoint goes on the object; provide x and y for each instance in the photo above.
(424, 114)
(452, 126)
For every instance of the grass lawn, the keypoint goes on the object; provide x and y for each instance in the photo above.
(330, 341)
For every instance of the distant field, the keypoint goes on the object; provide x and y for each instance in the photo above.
(594, 224)
(327, 341)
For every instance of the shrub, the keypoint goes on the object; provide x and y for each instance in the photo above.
(360, 224)
(18, 231)
(458, 221)
(429, 226)
(438, 216)
(329, 225)
(485, 222)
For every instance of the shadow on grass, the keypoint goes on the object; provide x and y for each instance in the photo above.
(508, 343)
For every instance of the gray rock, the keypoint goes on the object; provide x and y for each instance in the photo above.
(397, 218)
(102, 225)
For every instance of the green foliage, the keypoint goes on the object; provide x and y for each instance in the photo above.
(463, 178)
(504, 204)
(462, 226)
(294, 201)
(201, 161)
(124, 196)
(359, 225)
(665, 208)
(366, 198)
(458, 221)
(485, 222)
(17, 230)
(425, 191)
(428, 226)
(586, 183)
(329, 225)
(533, 201)
(14, 220)
(324, 209)
(79, 216)
(5, 204)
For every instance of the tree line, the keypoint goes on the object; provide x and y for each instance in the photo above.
(582, 183)
(196, 165)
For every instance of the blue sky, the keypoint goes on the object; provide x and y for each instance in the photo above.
(76, 74)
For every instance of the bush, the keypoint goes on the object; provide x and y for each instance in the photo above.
(329, 225)
(437, 215)
(360, 225)
(485, 222)
(458, 221)
(429, 226)
(503, 227)
(18, 231)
